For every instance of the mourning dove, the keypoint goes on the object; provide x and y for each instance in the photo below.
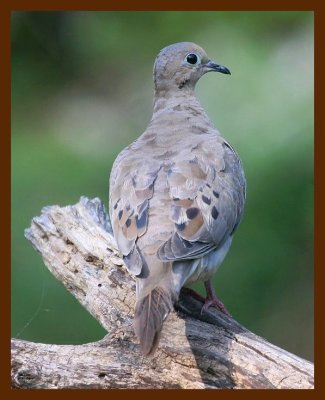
(177, 194)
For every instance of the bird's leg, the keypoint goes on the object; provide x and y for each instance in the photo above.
(212, 299)
(194, 294)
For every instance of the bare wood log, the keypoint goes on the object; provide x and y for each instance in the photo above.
(196, 351)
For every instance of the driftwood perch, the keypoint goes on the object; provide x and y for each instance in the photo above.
(196, 351)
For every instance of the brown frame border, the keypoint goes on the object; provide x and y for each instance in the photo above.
(285, 5)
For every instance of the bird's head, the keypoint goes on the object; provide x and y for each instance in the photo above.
(180, 65)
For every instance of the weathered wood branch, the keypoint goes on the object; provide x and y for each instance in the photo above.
(196, 351)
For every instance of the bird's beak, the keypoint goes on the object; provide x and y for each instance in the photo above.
(212, 66)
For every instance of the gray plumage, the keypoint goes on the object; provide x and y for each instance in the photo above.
(177, 193)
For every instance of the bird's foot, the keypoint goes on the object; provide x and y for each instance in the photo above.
(215, 302)
(210, 300)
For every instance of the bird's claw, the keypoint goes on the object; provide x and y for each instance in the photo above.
(215, 302)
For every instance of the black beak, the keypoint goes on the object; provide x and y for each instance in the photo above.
(212, 66)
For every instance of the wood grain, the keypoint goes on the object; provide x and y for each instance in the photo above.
(197, 350)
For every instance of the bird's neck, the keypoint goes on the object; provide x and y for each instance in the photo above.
(181, 110)
(176, 100)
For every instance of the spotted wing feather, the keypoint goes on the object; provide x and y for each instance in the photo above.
(132, 185)
(208, 194)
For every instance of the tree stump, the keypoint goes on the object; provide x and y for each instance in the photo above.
(195, 352)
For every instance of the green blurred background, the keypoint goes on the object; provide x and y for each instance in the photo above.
(82, 90)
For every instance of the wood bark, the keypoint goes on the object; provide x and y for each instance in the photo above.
(207, 350)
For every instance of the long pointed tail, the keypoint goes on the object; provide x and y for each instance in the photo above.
(150, 313)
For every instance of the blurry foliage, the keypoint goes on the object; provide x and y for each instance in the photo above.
(82, 90)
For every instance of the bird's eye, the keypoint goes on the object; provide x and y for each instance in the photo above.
(192, 58)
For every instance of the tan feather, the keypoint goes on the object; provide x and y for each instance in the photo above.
(150, 313)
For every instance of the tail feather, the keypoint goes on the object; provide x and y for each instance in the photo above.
(150, 313)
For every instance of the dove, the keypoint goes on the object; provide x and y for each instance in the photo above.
(176, 194)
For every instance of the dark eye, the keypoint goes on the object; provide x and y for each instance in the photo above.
(192, 58)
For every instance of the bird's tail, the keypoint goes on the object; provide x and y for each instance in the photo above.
(150, 313)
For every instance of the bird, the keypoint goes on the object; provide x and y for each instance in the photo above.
(176, 194)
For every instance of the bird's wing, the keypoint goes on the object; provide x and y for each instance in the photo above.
(131, 188)
(207, 193)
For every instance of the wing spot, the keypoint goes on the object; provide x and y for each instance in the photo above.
(142, 221)
(128, 222)
(120, 214)
(216, 194)
(206, 199)
(214, 212)
(192, 212)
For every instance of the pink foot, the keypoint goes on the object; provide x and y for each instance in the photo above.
(215, 302)
(210, 300)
